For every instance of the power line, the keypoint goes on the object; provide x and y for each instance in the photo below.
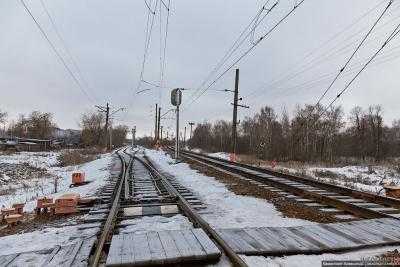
(57, 53)
(263, 37)
(55, 28)
(165, 42)
(147, 39)
(394, 33)
(289, 75)
(355, 51)
(237, 43)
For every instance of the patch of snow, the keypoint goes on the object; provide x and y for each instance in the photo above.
(156, 223)
(225, 208)
(42, 240)
(355, 177)
(42, 160)
(29, 190)
(315, 260)
(220, 155)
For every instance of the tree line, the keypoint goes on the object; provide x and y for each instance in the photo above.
(41, 125)
(306, 136)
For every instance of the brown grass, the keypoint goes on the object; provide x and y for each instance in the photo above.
(77, 156)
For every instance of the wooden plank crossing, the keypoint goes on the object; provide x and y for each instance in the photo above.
(75, 254)
(313, 239)
(161, 247)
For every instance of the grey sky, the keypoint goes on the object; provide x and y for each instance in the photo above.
(107, 40)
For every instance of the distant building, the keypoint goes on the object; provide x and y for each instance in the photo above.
(68, 137)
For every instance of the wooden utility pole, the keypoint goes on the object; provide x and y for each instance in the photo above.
(156, 125)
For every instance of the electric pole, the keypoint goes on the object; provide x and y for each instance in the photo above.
(133, 136)
(235, 106)
(159, 123)
(161, 133)
(156, 125)
(234, 121)
(191, 129)
(184, 138)
(109, 113)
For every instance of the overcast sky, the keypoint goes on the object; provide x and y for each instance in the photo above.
(294, 65)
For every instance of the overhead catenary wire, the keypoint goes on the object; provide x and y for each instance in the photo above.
(288, 75)
(237, 43)
(149, 30)
(394, 33)
(46, 37)
(354, 53)
(263, 37)
(317, 116)
(67, 50)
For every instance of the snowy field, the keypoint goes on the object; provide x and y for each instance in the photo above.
(31, 185)
(227, 209)
(361, 178)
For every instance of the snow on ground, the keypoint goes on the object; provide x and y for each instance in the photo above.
(362, 178)
(230, 210)
(220, 155)
(225, 208)
(315, 260)
(28, 190)
(43, 160)
(42, 240)
(156, 223)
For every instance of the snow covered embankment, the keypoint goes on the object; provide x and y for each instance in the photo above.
(27, 189)
(226, 209)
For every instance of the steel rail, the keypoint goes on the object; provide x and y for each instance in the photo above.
(193, 215)
(113, 211)
(245, 170)
(394, 202)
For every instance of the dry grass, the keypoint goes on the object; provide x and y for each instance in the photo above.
(77, 156)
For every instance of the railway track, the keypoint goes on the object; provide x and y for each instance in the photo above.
(343, 203)
(143, 191)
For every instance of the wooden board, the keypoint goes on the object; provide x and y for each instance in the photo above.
(319, 238)
(74, 254)
(161, 247)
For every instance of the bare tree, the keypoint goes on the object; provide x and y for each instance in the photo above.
(3, 116)
(92, 128)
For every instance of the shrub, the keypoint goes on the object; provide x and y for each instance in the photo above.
(76, 157)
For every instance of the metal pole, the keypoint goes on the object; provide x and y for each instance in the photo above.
(156, 126)
(110, 137)
(235, 105)
(184, 139)
(106, 126)
(177, 134)
(159, 123)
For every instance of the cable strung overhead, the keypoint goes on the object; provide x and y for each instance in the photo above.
(238, 42)
(63, 62)
(155, 9)
(392, 35)
(263, 37)
(304, 65)
(73, 61)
